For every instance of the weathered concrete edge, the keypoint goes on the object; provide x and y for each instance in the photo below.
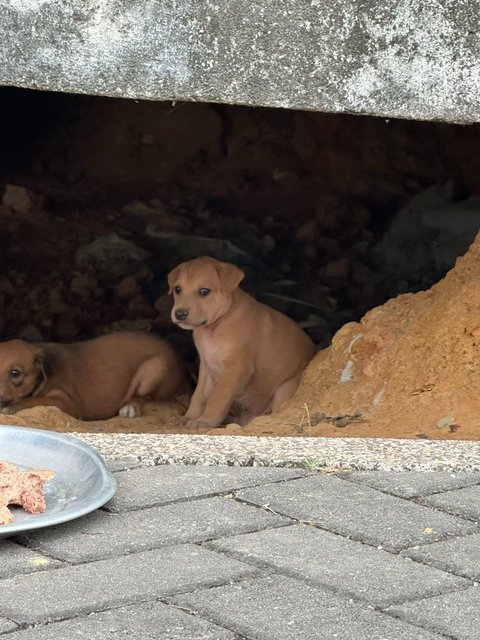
(407, 60)
(312, 453)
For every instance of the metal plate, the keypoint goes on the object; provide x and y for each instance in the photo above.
(82, 483)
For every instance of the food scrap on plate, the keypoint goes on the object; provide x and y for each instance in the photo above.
(23, 488)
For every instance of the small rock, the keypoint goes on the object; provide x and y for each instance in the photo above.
(402, 286)
(127, 288)
(19, 279)
(337, 268)
(147, 139)
(111, 256)
(30, 333)
(268, 243)
(138, 208)
(66, 327)
(310, 250)
(446, 421)
(329, 246)
(6, 286)
(164, 220)
(21, 199)
(58, 307)
(308, 231)
(82, 284)
(361, 274)
(163, 307)
(140, 324)
(139, 307)
(361, 216)
(46, 323)
(329, 213)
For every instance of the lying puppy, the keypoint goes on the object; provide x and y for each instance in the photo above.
(92, 380)
(249, 353)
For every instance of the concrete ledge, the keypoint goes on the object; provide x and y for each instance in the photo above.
(312, 453)
(405, 59)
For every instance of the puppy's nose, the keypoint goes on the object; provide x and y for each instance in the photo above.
(181, 314)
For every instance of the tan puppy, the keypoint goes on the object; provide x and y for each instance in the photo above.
(92, 380)
(249, 353)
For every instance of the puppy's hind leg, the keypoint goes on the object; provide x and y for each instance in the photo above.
(284, 392)
(155, 378)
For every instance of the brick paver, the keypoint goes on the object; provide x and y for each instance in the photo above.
(149, 621)
(15, 559)
(349, 567)
(462, 502)
(358, 511)
(280, 608)
(410, 484)
(53, 595)
(457, 615)
(151, 486)
(459, 555)
(102, 535)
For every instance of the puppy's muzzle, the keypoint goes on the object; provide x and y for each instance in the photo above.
(4, 402)
(181, 314)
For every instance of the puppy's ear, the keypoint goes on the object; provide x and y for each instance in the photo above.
(43, 362)
(229, 275)
(172, 277)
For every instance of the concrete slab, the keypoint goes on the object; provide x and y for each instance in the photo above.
(351, 568)
(123, 464)
(72, 591)
(151, 486)
(103, 535)
(372, 454)
(403, 59)
(279, 608)
(149, 621)
(357, 511)
(411, 484)
(457, 615)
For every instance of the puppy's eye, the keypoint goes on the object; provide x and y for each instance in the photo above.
(178, 289)
(15, 374)
(203, 292)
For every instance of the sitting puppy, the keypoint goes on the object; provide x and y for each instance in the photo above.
(92, 380)
(249, 353)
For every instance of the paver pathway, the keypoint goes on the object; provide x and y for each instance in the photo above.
(213, 553)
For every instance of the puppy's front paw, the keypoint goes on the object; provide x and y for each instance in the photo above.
(203, 423)
(130, 410)
(179, 421)
(7, 410)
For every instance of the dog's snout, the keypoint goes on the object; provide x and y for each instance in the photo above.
(181, 314)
